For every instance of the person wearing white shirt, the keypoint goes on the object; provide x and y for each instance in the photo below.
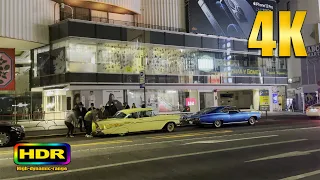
(92, 98)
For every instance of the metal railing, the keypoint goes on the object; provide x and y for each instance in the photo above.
(117, 22)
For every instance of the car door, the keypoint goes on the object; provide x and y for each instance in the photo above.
(135, 122)
(236, 115)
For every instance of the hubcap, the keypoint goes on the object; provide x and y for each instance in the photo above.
(170, 127)
(4, 138)
(251, 121)
(217, 123)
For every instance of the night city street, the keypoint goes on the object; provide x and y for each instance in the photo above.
(273, 149)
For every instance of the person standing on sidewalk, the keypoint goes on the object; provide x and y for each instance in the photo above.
(91, 116)
(81, 112)
(70, 119)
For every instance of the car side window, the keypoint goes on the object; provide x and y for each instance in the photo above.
(134, 115)
(225, 110)
(233, 110)
(148, 114)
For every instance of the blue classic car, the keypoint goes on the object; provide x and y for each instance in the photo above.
(218, 116)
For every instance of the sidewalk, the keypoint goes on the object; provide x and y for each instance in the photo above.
(50, 133)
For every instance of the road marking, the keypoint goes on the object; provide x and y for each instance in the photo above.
(301, 176)
(86, 144)
(286, 155)
(189, 134)
(190, 139)
(228, 140)
(151, 159)
(100, 143)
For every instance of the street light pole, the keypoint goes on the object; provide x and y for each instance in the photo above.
(303, 103)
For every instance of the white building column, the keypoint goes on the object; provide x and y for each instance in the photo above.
(256, 99)
(215, 98)
(194, 94)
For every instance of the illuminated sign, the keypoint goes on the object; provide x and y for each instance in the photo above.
(42, 154)
(190, 101)
(288, 32)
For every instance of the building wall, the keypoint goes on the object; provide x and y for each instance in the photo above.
(312, 18)
(169, 13)
(26, 20)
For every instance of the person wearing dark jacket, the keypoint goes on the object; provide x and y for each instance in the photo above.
(126, 106)
(91, 107)
(107, 111)
(113, 109)
(81, 112)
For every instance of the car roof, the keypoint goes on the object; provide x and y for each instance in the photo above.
(129, 111)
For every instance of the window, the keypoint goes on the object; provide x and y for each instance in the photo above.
(149, 114)
(225, 110)
(119, 115)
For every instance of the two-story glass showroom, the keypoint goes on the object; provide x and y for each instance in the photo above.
(102, 62)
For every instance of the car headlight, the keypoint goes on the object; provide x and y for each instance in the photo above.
(14, 128)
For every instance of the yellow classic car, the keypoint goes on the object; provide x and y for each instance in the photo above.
(135, 120)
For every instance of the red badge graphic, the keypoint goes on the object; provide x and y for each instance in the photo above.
(7, 69)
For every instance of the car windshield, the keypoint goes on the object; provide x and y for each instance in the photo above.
(120, 115)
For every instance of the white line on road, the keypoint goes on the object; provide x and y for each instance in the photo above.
(228, 140)
(286, 155)
(301, 176)
(150, 160)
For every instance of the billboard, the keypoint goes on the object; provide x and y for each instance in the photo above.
(7, 69)
(229, 18)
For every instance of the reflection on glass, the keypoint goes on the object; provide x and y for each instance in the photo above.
(119, 115)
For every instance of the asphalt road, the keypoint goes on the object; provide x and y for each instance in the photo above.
(288, 150)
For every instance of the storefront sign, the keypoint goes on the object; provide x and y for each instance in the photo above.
(313, 51)
(275, 98)
(7, 69)
(264, 100)
(190, 101)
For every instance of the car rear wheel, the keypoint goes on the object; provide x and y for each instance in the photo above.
(217, 123)
(251, 121)
(170, 127)
(4, 139)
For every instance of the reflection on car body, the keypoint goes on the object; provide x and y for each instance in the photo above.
(135, 120)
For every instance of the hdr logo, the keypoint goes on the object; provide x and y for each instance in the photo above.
(42, 154)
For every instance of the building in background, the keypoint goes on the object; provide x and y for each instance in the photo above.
(98, 48)
(303, 73)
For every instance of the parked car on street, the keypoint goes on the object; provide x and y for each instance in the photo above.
(135, 120)
(313, 111)
(10, 134)
(218, 116)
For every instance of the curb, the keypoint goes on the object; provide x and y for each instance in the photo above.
(50, 136)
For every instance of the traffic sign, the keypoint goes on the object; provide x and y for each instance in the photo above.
(142, 78)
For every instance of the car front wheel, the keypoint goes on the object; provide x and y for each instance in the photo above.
(170, 127)
(4, 139)
(252, 121)
(217, 123)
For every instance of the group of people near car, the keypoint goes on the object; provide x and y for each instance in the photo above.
(85, 117)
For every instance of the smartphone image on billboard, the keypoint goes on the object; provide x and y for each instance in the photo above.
(217, 28)
(221, 18)
(244, 14)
